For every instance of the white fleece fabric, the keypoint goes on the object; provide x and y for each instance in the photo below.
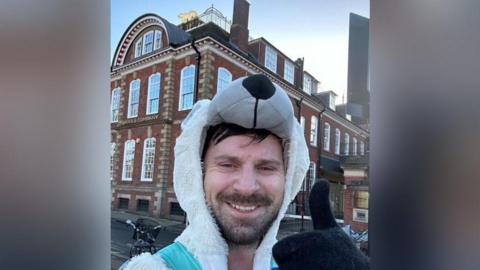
(202, 237)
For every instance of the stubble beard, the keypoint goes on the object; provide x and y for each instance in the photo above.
(245, 232)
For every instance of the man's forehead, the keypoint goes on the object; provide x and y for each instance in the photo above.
(268, 148)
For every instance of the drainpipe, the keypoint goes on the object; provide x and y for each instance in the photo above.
(198, 57)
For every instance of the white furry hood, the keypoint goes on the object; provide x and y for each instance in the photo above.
(202, 236)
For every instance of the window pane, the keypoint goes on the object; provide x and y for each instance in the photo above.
(115, 105)
(271, 59)
(224, 79)
(148, 42)
(129, 154)
(158, 39)
(361, 199)
(148, 159)
(153, 94)
(187, 87)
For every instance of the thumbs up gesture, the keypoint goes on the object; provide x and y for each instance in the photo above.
(327, 247)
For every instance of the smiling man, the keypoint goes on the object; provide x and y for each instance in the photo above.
(239, 162)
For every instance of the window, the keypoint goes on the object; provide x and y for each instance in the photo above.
(307, 84)
(128, 157)
(138, 48)
(224, 78)
(332, 102)
(312, 174)
(346, 150)
(313, 131)
(302, 123)
(158, 39)
(271, 59)
(337, 141)
(361, 199)
(362, 148)
(289, 72)
(354, 148)
(134, 98)
(326, 137)
(187, 83)
(142, 205)
(148, 42)
(123, 203)
(112, 159)
(153, 97)
(115, 105)
(148, 159)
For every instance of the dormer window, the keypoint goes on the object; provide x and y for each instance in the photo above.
(271, 59)
(138, 48)
(307, 84)
(148, 42)
(158, 39)
(332, 102)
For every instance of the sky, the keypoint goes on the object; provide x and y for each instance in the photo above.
(316, 30)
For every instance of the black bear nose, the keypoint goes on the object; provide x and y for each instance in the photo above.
(259, 86)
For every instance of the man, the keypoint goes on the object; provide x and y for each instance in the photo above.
(239, 162)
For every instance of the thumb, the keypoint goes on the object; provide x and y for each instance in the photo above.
(322, 216)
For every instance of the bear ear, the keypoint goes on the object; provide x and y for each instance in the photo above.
(259, 86)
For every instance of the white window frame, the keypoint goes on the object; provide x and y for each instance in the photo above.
(113, 148)
(128, 153)
(307, 84)
(181, 94)
(138, 50)
(362, 148)
(354, 147)
(270, 59)
(337, 141)
(289, 72)
(144, 50)
(224, 78)
(130, 113)
(346, 149)
(326, 137)
(332, 102)
(154, 110)
(157, 42)
(313, 130)
(146, 152)
(115, 105)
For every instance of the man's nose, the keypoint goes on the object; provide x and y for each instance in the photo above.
(247, 181)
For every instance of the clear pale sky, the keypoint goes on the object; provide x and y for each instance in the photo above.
(314, 29)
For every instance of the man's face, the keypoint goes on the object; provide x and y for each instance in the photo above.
(244, 184)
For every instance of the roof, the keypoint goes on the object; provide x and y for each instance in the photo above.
(175, 35)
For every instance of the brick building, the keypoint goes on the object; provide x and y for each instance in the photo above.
(159, 70)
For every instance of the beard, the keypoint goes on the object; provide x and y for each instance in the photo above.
(246, 231)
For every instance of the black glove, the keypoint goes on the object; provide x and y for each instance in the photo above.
(325, 248)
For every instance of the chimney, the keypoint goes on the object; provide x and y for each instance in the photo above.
(239, 29)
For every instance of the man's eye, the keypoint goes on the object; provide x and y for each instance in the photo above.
(226, 165)
(267, 168)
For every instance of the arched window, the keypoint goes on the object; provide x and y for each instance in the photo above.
(187, 85)
(148, 159)
(326, 137)
(153, 97)
(346, 150)
(224, 78)
(115, 105)
(354, 147)
(337, 141)
(134, 98)
(313, 130)
(128, 158)
(362, 148)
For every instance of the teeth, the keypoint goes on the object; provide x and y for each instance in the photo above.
(243, 208)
